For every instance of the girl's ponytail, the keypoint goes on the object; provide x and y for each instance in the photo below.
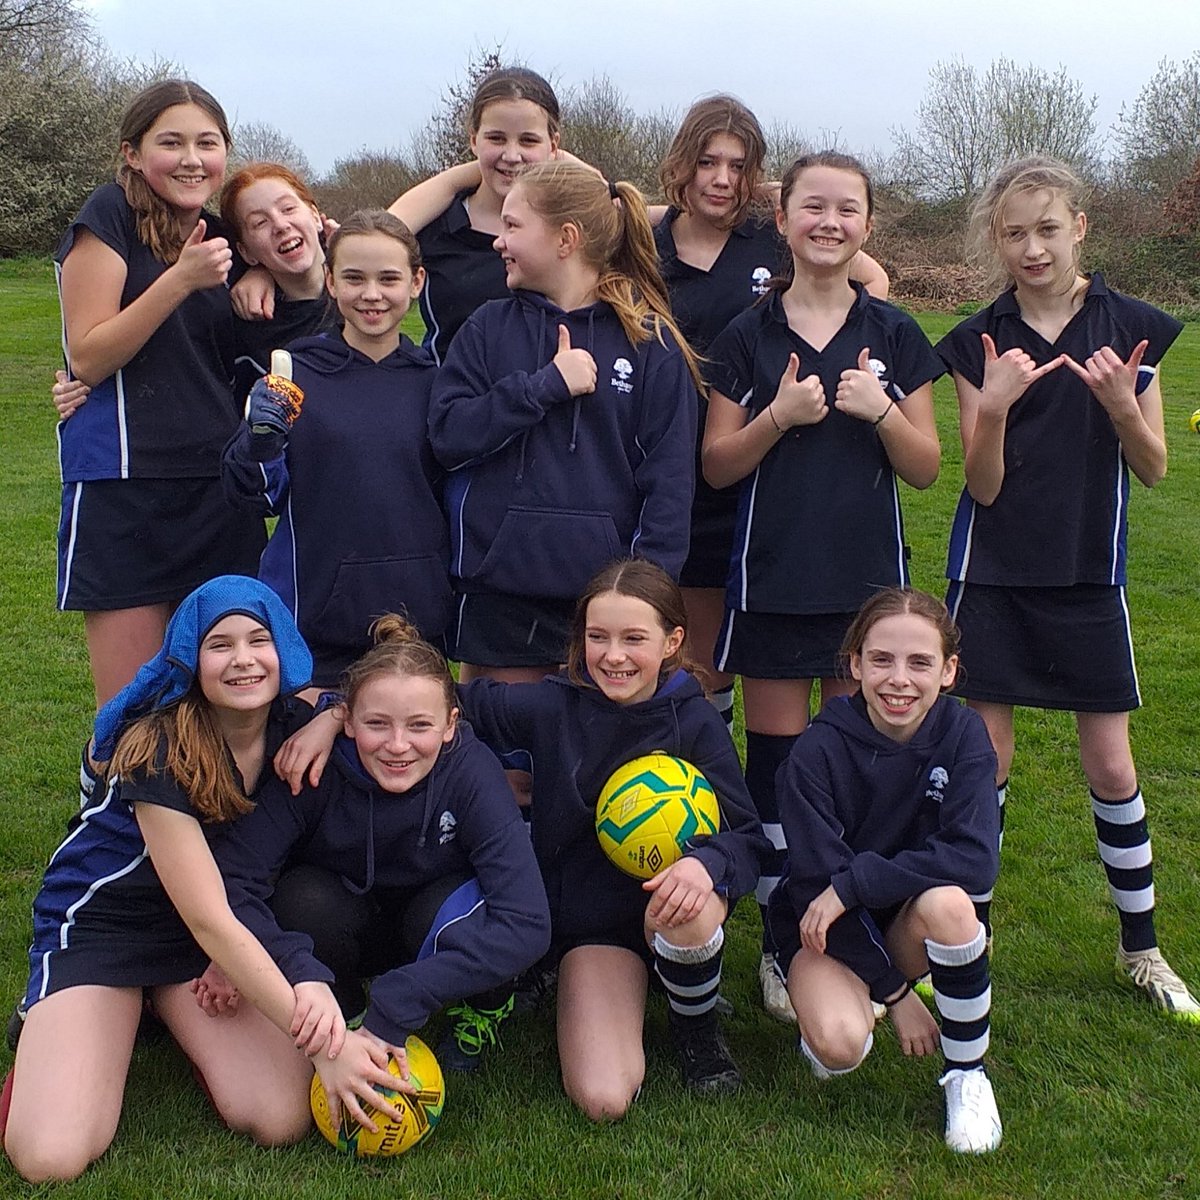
(399, 649)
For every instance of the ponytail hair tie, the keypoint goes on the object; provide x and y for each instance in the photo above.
(612, 190)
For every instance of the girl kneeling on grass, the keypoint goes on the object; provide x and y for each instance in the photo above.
(408, 862)
(889, 807)
(626, 693)
(132, 903)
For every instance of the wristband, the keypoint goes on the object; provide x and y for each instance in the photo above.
(771, 414)
(906, 989)
(879, 419)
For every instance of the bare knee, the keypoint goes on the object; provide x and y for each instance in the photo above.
(1110, 775)
(946, 915)
(276, 1124)
(837, 1040)
(39, 1161)
(600, 1100)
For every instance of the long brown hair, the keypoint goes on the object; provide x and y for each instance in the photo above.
(196, 756)
(701, 123)
(641, 580)
(617, 239)
(157, 225)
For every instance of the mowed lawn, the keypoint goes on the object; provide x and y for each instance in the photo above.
(1100, 1096)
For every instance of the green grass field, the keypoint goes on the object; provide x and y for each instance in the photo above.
(1099, 1095)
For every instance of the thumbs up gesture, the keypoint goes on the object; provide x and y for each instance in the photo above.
(576, 366)
(859, 392)
(798, 401)
(1007, 376)
(203, 264)
(1113, 382)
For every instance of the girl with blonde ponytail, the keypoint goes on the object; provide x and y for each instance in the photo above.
(566, 416)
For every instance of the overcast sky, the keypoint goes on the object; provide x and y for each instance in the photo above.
(338, 77)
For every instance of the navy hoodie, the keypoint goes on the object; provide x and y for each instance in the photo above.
(572, 738)
(884, 821)
(357, 491)
(546, 488)
(460, 819)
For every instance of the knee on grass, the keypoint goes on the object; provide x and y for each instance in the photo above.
(838, 1046)
(274, 1124)
(38, 1161)
(601, 1100)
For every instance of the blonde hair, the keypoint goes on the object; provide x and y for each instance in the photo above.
(399, 650)
(157, 225)
(1033, 174)
(615, 238)
(701, 123)
(196, 757)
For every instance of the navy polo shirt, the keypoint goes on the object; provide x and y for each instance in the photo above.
(1060, 516)
(819, 524)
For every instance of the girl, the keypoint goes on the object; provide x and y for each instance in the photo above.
(353, 481)
(889, 810)
(625, 693)
(409, 862)
(132, 900)
(717, 257)
(566, 415)
(512, 122)
(1058, 398)
(821, 396)
(148, 326)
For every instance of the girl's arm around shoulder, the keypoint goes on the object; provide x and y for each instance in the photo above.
(424, 202)
(502, 920)
(508, 717)
(472, 412)
(734, 856)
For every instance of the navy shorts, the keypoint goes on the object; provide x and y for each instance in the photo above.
(714, 515)
(492, 629)
(781, 645)
(781, 935)
(123, 543)
(1046, 647)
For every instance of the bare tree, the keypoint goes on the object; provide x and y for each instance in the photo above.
(368, 179)
(1158, 136)
(444, 139)
(968, 125)
(259, 141)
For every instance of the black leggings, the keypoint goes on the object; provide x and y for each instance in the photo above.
(358, 935)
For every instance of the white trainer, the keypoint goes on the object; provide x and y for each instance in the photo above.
(972, 1119)
(1149, 971)
(775, 998)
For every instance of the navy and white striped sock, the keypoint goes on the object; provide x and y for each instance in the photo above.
(722, 701)
(983, 902)
(765, 754)
(691, 976)
(962, 991)
(1123, 839)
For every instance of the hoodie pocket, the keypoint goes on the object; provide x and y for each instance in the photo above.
(550, 552)
(416, 586)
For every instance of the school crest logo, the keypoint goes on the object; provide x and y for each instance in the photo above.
(760, 277)
(879, 369)
(448, 828)
(622, 372)
(939, 777)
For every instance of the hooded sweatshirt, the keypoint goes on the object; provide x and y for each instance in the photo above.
(572, 738)
(459, 819)
(884, 821)
(357, 492)
(546, 488)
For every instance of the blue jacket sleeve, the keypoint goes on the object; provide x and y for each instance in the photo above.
(504, 927)
(250, 854)
(252, 484)
(817, 852)
(963, 851)
(666, 476)
(505, 716)
(734, 856)
(471, 414)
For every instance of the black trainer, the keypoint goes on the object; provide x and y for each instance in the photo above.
(704, 1059)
